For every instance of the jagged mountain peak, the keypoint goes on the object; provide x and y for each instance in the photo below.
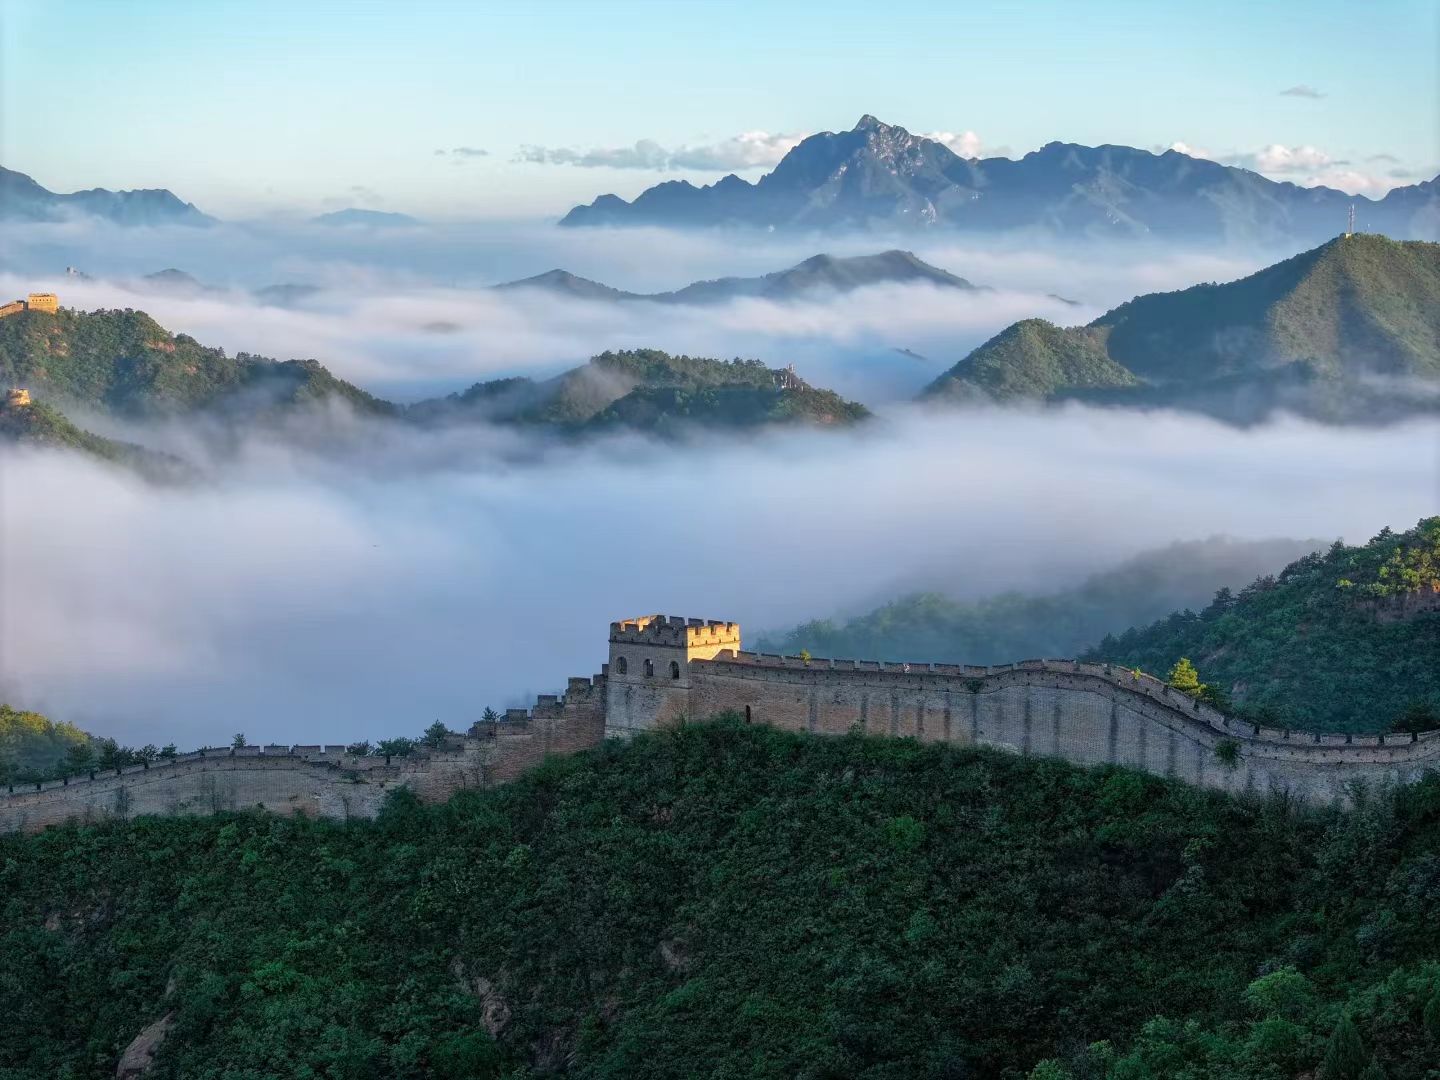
(882, 176)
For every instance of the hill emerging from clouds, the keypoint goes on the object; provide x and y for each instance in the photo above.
(1347, 331)
(879, 175)
(818, 274)
(126, 365)
(650, 391)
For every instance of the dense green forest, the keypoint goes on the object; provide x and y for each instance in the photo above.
(1319, 332)
(1305, 648)
(1013, 626)
(728, 901)
(648, 390)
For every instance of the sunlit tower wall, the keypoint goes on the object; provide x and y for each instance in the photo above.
(649, 675)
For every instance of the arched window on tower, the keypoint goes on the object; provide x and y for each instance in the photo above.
(674, 669)
(621, 667)
(649, 669)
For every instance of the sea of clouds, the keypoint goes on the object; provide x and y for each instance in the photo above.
(406, 312)
(300, 595)
(296, 599)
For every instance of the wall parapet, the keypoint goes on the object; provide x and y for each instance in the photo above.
(1186, 708)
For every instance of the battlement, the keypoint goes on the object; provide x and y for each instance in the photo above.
(674, 631)
(46, 302)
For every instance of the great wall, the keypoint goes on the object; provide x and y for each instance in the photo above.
(663, 670)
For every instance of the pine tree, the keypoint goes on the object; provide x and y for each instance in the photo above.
(1184, 677)
(1345, 1055)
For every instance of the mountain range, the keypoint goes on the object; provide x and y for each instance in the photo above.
(820, 273)
(1347, 331)
(22, 199)
(880, 176)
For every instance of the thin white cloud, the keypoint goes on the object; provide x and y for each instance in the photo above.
(965, 143)
(463, 152)
(1278, 158)
(645, 154)
(1191, 151)
(1308, 166)
(748, 150)
(1301, 90)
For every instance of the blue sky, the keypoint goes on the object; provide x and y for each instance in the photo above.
(261, 107)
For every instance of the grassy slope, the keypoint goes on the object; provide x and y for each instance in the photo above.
(731, 902)
(1000, 629)
(1034, 359)
(1297, 649)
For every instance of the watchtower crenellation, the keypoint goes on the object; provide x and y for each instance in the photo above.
(648, 682)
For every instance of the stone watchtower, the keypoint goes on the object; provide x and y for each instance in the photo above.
(648, 682)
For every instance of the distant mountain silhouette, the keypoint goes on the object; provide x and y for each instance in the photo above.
(1349, 331)
(820, 273)
(879, 175)
(22, 199)
(354, 216)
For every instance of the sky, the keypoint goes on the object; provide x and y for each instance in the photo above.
(502, 110)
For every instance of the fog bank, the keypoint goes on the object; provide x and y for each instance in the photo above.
(296, 600)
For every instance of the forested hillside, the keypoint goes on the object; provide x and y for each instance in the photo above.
(733, 901)
(1345, 331)
(38, 424)
(1013, 626)
(1328, 644)
(126, 363)
(647, 390)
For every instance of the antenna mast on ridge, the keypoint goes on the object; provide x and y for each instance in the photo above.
(1350, 225)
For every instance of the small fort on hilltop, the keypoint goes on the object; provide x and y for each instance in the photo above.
(47, 302)
(662, 670)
